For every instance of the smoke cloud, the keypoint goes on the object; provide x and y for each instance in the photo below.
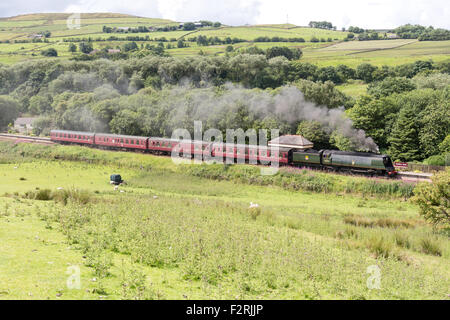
(288, 105)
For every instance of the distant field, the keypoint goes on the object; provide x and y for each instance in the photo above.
(354, 88)
(252, 32)
(388, 52)
(352, 53)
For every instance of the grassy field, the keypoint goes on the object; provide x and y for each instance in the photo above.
(169, 234)
(380, 52)
(353, 88)
(353, 53)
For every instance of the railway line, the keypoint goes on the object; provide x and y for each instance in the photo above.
(406, 176)
(26, 139)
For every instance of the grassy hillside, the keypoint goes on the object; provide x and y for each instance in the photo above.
(378, 52)
(169, 235)
(390, 52)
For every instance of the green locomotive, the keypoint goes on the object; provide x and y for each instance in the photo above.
(358, 162)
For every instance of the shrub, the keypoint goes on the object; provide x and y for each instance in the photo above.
(433, 199)
(402, 240)
(380, 247)
(430, 246)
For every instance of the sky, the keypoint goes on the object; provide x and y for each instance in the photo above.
(374, 14)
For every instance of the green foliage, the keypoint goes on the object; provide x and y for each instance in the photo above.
(438, 160)
(72, 47)
(389, 86)
(188, 26)
(324, 94)
(433, 199)
(435, 126)
(290, 54)
(422, 33)
(130, 46)
(437, 81)
(444, 146)
(50, 52)
(314, 131)
(375, 116)
(404, 138)
(341, 142)
(431, 246)
(365, 72)
(321, 25)
(9, 111)
(86, 47)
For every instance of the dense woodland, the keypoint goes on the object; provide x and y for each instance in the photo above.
(406, 108)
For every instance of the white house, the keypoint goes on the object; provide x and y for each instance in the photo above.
(24, 125)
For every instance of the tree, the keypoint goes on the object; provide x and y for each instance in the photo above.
(40, 104)
(51, 52)
(341, 142)
(321, 25)
(217, 24)
(290, 54)
(375, 117)
(365, 72)
(389, 86)
(86, 47)
(188, 26)
(9, 111)
(329, 74)
(303, 70)
(433, 199)
(72, 47)
(444, 146)
(180, 44)
(130, 46)
(324, 94)
(435, 126)
(404, 139)
(345, 72)
(314, 132)
(127, 122)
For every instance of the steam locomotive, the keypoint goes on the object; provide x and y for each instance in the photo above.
(331, 160)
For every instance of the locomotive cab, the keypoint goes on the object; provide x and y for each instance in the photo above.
(389, 166)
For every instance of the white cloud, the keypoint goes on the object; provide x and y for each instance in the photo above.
(366, 14)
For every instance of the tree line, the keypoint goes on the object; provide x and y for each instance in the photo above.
(405, 110)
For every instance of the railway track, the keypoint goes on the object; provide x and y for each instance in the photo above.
(26, 139)
(402, 175)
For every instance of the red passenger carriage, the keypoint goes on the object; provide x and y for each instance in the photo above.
(72, 137)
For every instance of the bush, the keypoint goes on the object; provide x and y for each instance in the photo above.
(433, 199)
(49, 52)
(380, 247)
(431, 246)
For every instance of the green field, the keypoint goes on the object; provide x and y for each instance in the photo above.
(379, 52)
(173, 235)
(353, 53)
(353, 88)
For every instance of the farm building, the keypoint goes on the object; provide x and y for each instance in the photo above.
(291, 141)
(24, 125)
